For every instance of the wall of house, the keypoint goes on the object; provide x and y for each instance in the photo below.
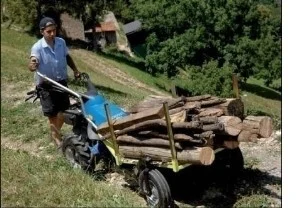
(110, 37)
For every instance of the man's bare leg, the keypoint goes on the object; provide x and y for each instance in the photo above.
(56, 124)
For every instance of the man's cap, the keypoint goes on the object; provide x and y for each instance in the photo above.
(45, 22)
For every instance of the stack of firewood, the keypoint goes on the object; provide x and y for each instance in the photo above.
(200, 125)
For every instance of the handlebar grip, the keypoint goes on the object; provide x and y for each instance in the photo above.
(29, 97)
(31, 92)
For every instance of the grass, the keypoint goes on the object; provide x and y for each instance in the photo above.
(28, 180)
(260, 100)
(54, 184)
(255, 200)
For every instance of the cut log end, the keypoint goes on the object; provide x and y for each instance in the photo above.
(207, 155)
(266, 127)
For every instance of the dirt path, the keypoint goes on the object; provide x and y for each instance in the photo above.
(100, 66)
(265, 155)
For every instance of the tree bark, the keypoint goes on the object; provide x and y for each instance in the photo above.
(153, 102)
(177, 137)
(232, 125)
(207, 103)
(132, 119)
(197, 98)
(211, 112)
(155, 142)
(232, 107)
(209, 119)
(261, 124)
(247, 136)
(204, 155)
(178, 117)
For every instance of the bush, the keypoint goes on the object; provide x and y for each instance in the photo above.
(276, 84)
(209, 79)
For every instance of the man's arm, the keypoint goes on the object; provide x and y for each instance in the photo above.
(71, 64)
(34, 58)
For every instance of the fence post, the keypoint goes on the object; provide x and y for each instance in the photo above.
(235, 85)
(173, 90)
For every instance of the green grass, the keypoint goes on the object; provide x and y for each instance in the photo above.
(261, 100)
(27, 181)
(254, 200)
(158, 82)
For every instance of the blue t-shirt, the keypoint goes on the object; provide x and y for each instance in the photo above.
(52, 62)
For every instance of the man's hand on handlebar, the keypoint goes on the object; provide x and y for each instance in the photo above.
(33, 64)
(77, 74)
(32, 94)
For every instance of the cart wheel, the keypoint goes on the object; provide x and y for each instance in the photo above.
(77, 152)
(155, 188)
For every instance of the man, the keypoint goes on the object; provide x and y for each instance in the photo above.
(50, 57)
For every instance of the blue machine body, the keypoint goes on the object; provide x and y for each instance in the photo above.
(94, 107)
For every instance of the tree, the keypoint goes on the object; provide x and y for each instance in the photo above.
(21, 12)
(245, 35)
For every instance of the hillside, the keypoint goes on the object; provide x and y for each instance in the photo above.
(34, 174)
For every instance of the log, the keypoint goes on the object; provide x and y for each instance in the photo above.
(177, 137)
(209, 120)
(178, 102)
(207, 103)
(175, 110)
(132, 119)
(213, 127)
(207, 155)
(155, 142)
(232, 107)
(232, 125)
(197, 98)
(229, 142)
(178, 117)
(194, 155)
(206, 137)
(247, 136)
(149, 102)
(153, 102)
(210, 112)
(203, 135)
(160, 123)
(261, 124)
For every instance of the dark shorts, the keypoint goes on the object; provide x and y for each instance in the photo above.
(53, 101)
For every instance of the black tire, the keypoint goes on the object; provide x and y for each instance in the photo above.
(76, 151)
(160, 195)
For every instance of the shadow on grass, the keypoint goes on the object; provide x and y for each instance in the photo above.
(261, 91)
(209, 187)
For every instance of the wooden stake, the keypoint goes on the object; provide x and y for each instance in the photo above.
(111, 128)
(171, 138)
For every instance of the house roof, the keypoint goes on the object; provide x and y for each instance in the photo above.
(108, 26)
(132, 27)
(104, 27)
